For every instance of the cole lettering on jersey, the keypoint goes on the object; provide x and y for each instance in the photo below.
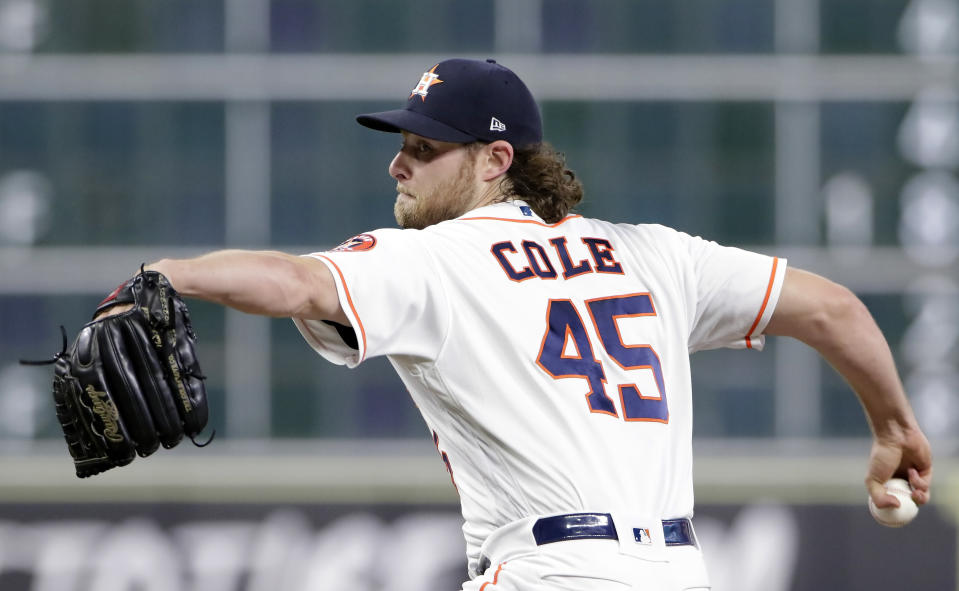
(532, 259)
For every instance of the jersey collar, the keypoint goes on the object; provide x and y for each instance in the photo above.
(515, 209)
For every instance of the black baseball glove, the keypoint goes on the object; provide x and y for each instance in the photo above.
(130, 382)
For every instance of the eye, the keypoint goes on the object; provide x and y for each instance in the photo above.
(418, 148)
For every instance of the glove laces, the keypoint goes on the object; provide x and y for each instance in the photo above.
(56, 357)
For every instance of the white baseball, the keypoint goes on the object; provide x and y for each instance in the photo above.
(896, 516)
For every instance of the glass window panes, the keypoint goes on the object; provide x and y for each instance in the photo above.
(371, 26)
(131, 26)
(118, 171)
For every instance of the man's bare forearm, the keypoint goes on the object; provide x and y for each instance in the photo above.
(858, 350)
(267, 283)
(832, 320)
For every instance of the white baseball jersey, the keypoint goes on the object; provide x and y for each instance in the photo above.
(550, 361)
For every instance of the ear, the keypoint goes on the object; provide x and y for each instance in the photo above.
(495, 160)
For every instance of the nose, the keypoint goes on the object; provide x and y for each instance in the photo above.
(398, 168)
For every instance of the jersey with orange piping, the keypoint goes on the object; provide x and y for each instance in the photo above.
(550, 361)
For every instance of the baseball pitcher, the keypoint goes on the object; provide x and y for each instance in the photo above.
(549, 352)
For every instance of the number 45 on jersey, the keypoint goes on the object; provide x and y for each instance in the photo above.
(565, 325)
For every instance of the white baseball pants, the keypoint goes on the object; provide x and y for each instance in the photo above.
(517, 563)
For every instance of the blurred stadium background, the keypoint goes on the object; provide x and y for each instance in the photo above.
(130, 130)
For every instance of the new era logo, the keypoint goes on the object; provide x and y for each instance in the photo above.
(496, 125)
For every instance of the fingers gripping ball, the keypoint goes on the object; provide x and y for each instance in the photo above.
(131, 381)
(896, 516)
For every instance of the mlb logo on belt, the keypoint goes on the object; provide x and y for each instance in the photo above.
(641, 535)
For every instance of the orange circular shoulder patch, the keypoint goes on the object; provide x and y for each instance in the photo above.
(358, 243)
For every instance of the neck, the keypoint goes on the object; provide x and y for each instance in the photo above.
(491, 194)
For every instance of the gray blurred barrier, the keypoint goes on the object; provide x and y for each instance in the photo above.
(621, 77)
(77, 269)
(382, 516)
(402, 547)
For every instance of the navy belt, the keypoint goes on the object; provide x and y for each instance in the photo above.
(600, 526)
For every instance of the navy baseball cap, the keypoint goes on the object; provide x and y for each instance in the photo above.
(460, 100)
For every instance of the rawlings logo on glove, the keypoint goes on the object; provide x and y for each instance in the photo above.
(108, 414)
(131, 381)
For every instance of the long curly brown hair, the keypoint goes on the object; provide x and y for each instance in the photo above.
(539, 177)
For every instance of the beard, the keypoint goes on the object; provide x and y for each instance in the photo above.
(449, 199)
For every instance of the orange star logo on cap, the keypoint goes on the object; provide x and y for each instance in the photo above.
(429, 79)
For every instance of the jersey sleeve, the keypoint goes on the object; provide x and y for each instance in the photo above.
(735, 294)
(391, 294)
